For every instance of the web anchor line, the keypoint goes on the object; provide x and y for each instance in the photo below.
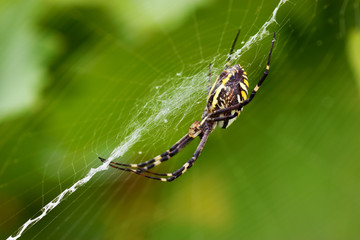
(130, 139)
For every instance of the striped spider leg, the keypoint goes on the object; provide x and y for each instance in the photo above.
(226, 99)
(144, 167)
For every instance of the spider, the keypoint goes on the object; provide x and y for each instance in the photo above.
(225, 101)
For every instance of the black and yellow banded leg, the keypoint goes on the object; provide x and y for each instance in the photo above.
(160, 158)
(164, 157)
(263, 77)
(224, 110)
(140, 170)
(136, 171)
(185, 167)
(217, 119)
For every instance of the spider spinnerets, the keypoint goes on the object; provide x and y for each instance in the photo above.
(225, 101)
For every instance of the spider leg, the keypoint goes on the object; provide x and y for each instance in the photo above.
(258, 85)
(139, 171)
(160, 158)
(172, 176)
(232, 48)
(165, 158)
(224, 110)
(216, 119)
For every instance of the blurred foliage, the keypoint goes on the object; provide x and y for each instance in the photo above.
(24, 54)
(72, 74)
(353, 50)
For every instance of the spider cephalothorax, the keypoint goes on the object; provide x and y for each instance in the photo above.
(226, 99)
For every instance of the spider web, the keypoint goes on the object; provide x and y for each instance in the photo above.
(134, 108)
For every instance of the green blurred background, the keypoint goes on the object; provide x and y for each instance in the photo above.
(75, 74)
